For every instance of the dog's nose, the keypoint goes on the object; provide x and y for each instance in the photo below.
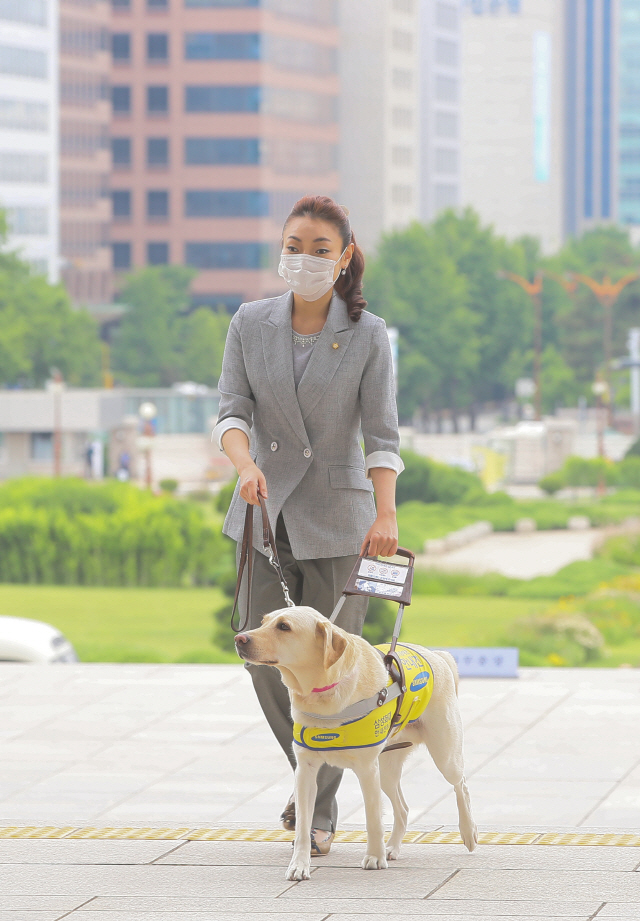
(242, 638)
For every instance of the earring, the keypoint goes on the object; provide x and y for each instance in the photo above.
(343, 272)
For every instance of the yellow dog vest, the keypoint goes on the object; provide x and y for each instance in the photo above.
(374, 729)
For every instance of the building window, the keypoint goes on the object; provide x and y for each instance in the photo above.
(446, 161)
(446, 53)
(26, 116)
(121, 99)
(221, 151)
(289, 155)
(157, 151)
(157, 253)
(158, 5)
(121, 151)
(300, 105)
(212, 3)
(402, 79)
(402, 194)
(222, 98)
(121, 203)
(226, 255)
(402, 40)
(446, 125)
(445, 196)
(23, 167)
(402, 156)
(225, 203)
(206, 46)
(121, 253)
(157, 46)
(402, 117)
(23, 62)
(446, 17)
(42, 446)
(31, 221)
(157, 203)
(446, 88)
(291, 54)
(32, 12)
(123, 5)
(157, 100)
(121, 46)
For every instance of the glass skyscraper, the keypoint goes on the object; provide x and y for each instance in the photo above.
(629, 118)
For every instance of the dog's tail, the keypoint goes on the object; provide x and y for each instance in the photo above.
(451, 662)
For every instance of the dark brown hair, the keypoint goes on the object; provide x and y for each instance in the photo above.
(348, 286)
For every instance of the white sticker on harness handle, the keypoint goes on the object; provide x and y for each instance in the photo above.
(378, 588)
(390, 573)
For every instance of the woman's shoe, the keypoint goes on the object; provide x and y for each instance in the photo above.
(320, 848)
(288, 817)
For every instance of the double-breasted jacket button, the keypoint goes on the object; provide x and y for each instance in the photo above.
(307, 452)
(274, 445)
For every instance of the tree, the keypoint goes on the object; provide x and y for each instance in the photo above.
(415, 286)
(39, 329)
(159, 341)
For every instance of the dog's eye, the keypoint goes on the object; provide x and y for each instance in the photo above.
(283, 625)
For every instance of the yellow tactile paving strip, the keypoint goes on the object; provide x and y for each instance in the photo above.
(564, 839)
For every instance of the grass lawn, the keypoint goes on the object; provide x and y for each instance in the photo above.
(457, 620)
(124, 624)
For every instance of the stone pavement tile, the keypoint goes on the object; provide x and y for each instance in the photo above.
(126, 755)
(89, 881)
(354, 883)
(543, 884)
(29, 916)
(518, 763)
(28, 903)
(365, 916)
(81, 851)
(613, 911)
(213, 914)
(517, 810)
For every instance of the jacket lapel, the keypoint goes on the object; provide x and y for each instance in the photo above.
(325, 359)
(278, 357)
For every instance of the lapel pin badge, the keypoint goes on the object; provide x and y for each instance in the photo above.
(335, 345)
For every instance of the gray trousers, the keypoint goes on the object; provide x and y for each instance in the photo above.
(319, 584)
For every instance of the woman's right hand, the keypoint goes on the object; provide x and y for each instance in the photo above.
(252, 481)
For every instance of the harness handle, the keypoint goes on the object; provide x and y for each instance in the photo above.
(246, 559)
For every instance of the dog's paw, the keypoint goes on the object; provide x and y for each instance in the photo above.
(298, 870)
(374, 863)
(393, 851)
(469, 836)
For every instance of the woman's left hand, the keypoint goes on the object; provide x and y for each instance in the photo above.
(382, 536)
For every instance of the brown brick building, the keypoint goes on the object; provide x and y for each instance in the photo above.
(84, 149)
(224, 112)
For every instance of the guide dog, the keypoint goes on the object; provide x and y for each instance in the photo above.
(327, 670)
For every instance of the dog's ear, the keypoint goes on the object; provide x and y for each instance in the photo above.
(333, 643)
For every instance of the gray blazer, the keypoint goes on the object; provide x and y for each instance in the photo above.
(307, 443)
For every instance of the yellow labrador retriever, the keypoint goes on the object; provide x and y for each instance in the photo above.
(328, 670)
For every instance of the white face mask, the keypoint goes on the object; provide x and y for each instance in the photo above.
(308, 276)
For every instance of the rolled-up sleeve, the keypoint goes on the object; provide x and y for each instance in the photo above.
(236, 399)
(379, 414)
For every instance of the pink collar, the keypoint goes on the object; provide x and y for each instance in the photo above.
(328, 688)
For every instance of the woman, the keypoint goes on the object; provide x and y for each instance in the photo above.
(302, 374)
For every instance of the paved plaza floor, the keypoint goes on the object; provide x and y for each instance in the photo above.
(185, 748)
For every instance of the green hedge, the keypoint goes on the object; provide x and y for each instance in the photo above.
(68, 532)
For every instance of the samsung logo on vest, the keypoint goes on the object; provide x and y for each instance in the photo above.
(325, 737)
(419, 681)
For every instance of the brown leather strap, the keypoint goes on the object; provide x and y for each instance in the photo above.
(246, 560)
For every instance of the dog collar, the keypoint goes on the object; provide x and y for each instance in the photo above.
(328, 688)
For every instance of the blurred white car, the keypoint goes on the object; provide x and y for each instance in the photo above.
(24, 640)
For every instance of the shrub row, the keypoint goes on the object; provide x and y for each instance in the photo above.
(72, 533)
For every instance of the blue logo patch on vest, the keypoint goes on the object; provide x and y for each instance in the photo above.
(326, 737)
(419, 681)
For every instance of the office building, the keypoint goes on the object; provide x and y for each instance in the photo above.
(223, 115)
(29, 130)
(512, 116)
(629, 115)
(440, 75)
(591, 120)
(84, 150)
